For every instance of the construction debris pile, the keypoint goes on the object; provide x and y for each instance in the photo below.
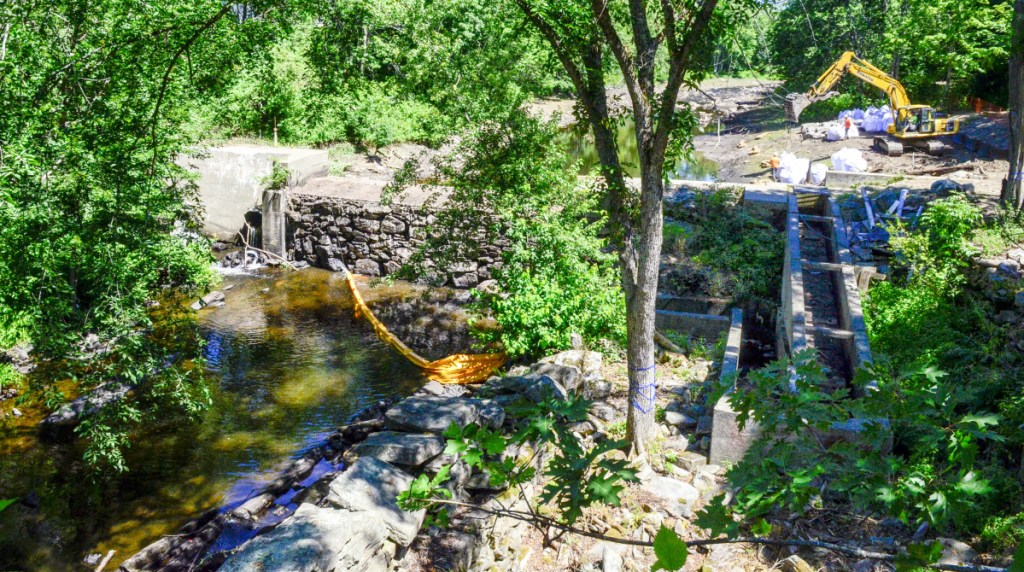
(873, 215)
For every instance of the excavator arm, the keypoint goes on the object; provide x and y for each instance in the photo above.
(847, 63)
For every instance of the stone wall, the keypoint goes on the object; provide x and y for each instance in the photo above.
(370, 238)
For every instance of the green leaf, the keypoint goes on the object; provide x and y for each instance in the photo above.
(980, 420)
(4, 503)
(494, 443)
(473, 458)
(670, 550)
(605, 489)
(970, 484)
(761, 528)
(1018, 560)
(717, 519)
(455, 448)
(453, 431)
(919, 555)
(441, 476)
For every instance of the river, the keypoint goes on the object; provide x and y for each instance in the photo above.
(287, 363)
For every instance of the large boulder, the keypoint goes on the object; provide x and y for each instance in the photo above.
(533, 386)
(406, 449)
(677, 495)
(589, 363)
(567, 376)
(371, 487)
(428, 414)
(316, 539)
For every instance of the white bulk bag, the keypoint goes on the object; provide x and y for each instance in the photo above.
(795, 172)
(835, 133)
(849, 160)
(818, 172)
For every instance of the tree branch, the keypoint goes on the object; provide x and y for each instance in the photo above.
(3, 42)
(619, 50)
(165, 82)
(539, 521)
(552, 37)
(645, 47)
(669, 14)
(680, 63)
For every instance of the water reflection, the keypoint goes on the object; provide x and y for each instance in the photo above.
(288, 363)
(581, 149)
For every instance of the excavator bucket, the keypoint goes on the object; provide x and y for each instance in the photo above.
(797, 102)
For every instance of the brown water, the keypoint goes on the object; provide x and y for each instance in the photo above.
(288, 363)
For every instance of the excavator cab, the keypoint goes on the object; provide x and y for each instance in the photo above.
(914, 120)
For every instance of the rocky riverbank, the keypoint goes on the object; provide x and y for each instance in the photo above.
(348, 519)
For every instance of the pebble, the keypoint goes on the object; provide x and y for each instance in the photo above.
(16, 412)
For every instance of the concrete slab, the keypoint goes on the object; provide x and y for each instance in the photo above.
(367, 189)
(729, 443)
(230, 175)
(698, 325)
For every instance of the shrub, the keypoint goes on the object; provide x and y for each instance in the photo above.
(930, 472)
(507, 183)
(729, 239)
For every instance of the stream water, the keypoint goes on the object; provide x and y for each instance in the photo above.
(581, 149)
(288, 363)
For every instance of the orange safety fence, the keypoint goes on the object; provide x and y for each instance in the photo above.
(454, 369)
(981, 106)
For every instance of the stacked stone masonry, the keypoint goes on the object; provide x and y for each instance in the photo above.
(371, 239)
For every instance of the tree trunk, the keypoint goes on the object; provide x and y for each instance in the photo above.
(640, 311)
(1012, 194)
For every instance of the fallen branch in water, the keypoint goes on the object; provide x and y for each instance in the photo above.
(268, 253)
(105, 561)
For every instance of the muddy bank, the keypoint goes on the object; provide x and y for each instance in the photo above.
(753, 134)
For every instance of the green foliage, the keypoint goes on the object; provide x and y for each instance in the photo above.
(9, 377)
(736, 253)
(367, 72)
(902, 314)
(717, 519)
(929, 474)
(999, 234)
(97, 219)
(1018, 560)
(508, 184)
(941, 51)
(277, 179)
(577, 476)
(670, 550)
(4, 503)
(1003, 533)
(918, 556)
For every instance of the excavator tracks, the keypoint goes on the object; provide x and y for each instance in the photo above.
(889, 147)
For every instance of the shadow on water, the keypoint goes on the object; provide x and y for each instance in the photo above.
(288, 362)
(581, 150)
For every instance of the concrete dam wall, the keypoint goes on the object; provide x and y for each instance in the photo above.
(230, 180)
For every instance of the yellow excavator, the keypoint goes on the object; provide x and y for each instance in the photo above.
(913, 124)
